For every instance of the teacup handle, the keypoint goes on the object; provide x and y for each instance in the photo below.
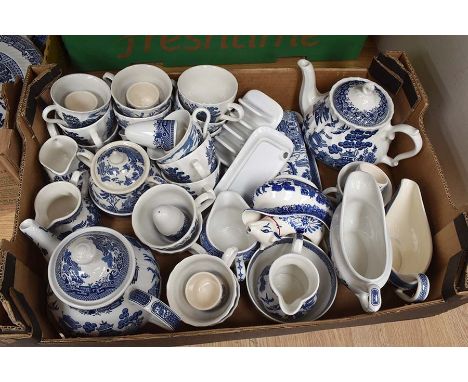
(413, 133)
(372, 300)
(196, 249)
(75, 179)
(421, 292)
(297, 243)
(108, 78)
(238, 109)
(332, 190)
(159, 313)
(207, 120)
(85, 156)
(46, 112)
(96, 138)
(203, 201)
(229, 256)
(202, 171)
(155, 180)
(52, 129)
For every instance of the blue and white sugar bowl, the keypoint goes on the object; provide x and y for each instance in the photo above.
(101, 282)
(120, 173)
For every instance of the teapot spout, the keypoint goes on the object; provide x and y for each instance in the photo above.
(309, 91)
(40, 236)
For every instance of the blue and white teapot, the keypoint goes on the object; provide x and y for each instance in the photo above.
(101, 283)
(350, 123)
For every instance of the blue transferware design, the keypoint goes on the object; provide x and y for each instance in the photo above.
(319, 206)
(73, 280)
(9, 69)
(190, 107)
(411, 288)
(74, 122)
(87, 215)
(120, 316)
(24, 46)
(164, 134)
(125, 173)
(2, 112)
(39, 41)
(191, 142)
(78, 138)
(134, 113)
(173, 174)
(298, 164)
(375, 297)
(365, 118)
(212, 159)
(271, 303)
(182, 231)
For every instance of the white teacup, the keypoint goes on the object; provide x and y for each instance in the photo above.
(123, 121)
(142, 95)
(196, 305)
(193, 167)
(80, 91)
(382, 180)
(123, 80)
(210, 87)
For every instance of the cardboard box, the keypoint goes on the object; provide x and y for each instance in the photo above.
(448, 224)
(89, 53)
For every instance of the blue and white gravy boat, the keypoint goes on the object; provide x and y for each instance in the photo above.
(101, 282)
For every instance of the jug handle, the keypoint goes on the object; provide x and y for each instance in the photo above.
(371, 300)
(421, 290)
(203, 201)
(75, 179)
(52, 129)
(230, 255)
(85, 156)
(239, 265)
(415, 136)
(297, 243)
(158, 312)
(332, 190)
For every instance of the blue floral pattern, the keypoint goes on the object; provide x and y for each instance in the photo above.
(190, 143)
(9, 69)
(27, 49)
(190, 107)
(164, 134)
(73, 122)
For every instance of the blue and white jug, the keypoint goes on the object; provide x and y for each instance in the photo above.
(350, 123)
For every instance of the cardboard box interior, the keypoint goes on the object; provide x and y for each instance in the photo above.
(448, 224)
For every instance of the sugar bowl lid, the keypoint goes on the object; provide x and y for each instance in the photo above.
(91, 268)
(120, 167)
(361, 102)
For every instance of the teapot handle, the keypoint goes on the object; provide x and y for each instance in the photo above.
(158, 312)
(413, 133)
(421, 291)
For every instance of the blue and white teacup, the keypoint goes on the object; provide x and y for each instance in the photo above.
(79, 100)
(123, 121)
(287, 288)
(157, 134)
(128, 77)
(95, 134)
(210, 87)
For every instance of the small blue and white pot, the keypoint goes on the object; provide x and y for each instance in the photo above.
(85, 88)
(120, 173)
(287, 288)
(101, 283)
(352, 122)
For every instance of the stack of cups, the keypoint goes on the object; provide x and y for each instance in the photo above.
(82, 110)
(141, 93)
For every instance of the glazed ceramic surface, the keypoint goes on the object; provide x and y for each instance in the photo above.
(93, 148)
(361, 248)
(94, 134)
(157, 134)
(123, 80)
(291, 196)
(171, 222)
(266, 146)
(77, 82)
(210, 87)
(409, 232)
(327, 289)
(191, 265)
(352, 122)
(123, 121)
(193, 167)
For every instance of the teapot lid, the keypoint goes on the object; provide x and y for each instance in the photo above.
(91, 268)
(361, 102)
(120, 167)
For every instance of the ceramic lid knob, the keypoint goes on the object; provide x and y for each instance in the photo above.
(169, 220)
(83, 252)
(117, 158)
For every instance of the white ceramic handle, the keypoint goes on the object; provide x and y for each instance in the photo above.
(207, 120)
(108, 78)
(158, 312)
(85, 156)
(332, 190)
(413, 133)
(96, 138)
(196, 249)
(372, 300)
(238, 109)
(297, 244)
(201, 170)
(203, 201)
(229, 256)
(52, 129)
(46, 112)
(75, 179)
(421, 292)
(155, 180)
(239, 264)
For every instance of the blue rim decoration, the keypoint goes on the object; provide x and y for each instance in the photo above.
(26, 47)
(72, 280)
(365, 118)
(9, 69)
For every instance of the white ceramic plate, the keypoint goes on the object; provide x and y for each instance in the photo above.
(260, 159)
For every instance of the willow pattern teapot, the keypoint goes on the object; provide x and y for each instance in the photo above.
(350, 123)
